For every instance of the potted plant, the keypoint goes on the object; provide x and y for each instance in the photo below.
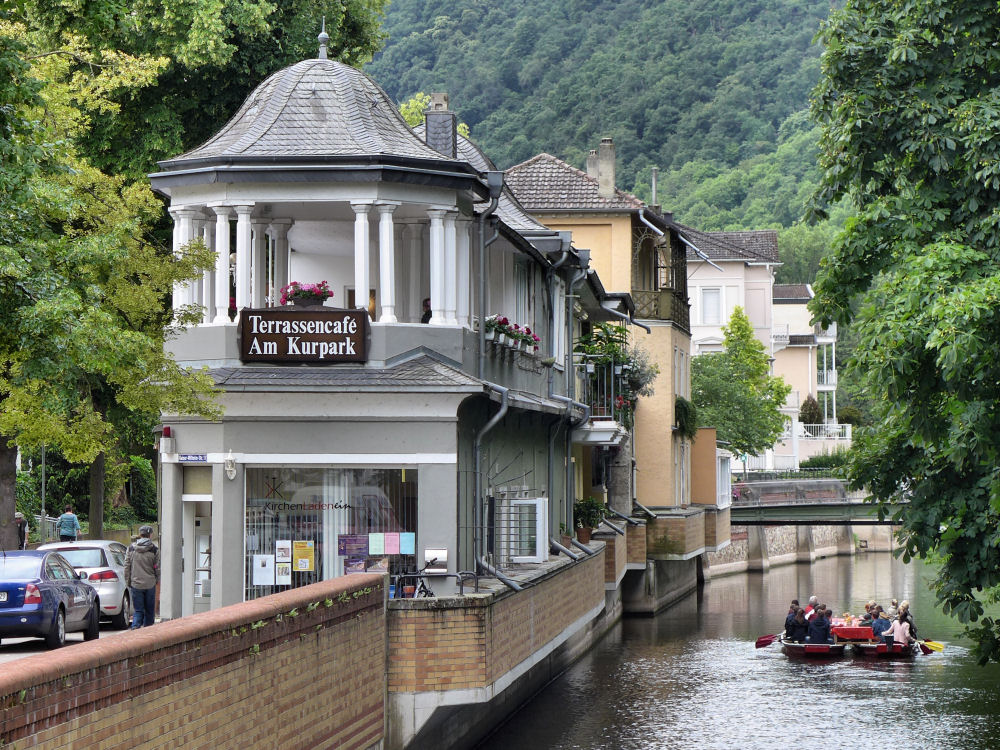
(587, 514)
(299, 294)
(564, 535)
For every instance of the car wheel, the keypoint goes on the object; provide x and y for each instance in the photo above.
(124, 617)
(57, 635)
(93, 623)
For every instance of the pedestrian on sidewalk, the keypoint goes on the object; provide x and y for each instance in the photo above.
(142, 573)
(68, 525)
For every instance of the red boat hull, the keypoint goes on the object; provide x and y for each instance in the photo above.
(813, 650)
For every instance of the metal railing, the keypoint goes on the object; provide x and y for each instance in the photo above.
(602, 386)
(826, 377)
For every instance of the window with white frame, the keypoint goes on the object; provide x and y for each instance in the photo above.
(520, 529)
(711, 306)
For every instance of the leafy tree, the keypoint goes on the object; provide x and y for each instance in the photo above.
(811, 412)
(82, 287)
(911, 137)
(734, 391)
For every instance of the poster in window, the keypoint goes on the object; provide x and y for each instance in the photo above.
(304, 555)
(376, 543)
(392, 543)
(378, 565)
(354, 565)
(407, 543)
(263, 570)
(283, 573)
(352, 545)
(283, 551)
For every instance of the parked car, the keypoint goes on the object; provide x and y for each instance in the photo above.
(101, 562)
(42, 596)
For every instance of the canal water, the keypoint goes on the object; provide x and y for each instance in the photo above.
(691, 677)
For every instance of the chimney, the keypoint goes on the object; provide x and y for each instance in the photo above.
(606, 168)
(653, 204)
(592, 163)
(441, 126)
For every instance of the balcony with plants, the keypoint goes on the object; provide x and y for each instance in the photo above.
(611, 376)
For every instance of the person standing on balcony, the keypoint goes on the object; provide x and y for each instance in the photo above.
(426, 317)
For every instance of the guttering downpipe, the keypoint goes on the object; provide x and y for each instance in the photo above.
(498, 575)
(494, 180)
(477, 452)
(648, 223)
(698, 252)
(627, 318)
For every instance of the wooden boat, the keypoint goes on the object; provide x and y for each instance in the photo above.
(883, 650)
(812, 650)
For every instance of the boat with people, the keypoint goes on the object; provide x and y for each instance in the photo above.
(812, 650)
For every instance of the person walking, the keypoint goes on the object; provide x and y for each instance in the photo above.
(68, 525)
(22, 530)
(142, 573)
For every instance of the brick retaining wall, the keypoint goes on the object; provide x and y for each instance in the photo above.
(300, 669)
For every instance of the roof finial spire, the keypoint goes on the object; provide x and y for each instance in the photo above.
(323, 39)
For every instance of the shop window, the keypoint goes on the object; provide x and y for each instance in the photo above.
(305, 525)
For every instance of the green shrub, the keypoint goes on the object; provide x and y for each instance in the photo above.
(686, 417)
(826, 460)
(811, 412)
(142, 489)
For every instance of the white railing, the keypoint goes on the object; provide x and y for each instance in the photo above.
(826, 431)
(779, 334)
(826, 377)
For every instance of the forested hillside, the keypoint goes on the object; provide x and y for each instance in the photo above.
(713, 92)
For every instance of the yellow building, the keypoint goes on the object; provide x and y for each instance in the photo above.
(634, 248)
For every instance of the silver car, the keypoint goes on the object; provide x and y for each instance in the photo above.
(101, 563)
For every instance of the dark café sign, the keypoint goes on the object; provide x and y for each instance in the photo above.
(322, 335)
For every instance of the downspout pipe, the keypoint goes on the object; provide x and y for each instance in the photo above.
(494, 181)
(627, 318)
(477, 453)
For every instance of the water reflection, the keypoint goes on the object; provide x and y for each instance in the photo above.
(691, 677)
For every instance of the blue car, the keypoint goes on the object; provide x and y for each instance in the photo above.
(42, 596)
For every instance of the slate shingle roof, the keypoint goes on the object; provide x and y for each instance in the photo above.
(545, 183)
(315, 107)
(791, 293)
(760, 245)
(509, 210)
(420, 374)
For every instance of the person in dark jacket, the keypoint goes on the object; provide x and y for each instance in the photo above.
(819, 628)
(22, 530)
(791, 613)
(142, 573)
(881, 623)
(798, 628)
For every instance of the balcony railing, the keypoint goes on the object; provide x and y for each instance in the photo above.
(779, 334)
(819, 431)
(827, 377)
(602, 385)
(661, 304)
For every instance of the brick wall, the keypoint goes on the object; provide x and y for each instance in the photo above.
(615, 554)
(299, 669)
(676, 532)
(476, 640)
(636, 541)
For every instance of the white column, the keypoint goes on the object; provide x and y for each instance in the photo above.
(361, 283)
(463, 273)
(258, 264)
(437, 266)
(178, 290)
(412, 244)
(279, 231)
(387, 262)
(450, 269)
(208, 277)
(222, 214)
(243, 246)
(183, 237)
(195, 284)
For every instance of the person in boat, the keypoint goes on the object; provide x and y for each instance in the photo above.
(870, 616)
(791, 613)
(810, 608)
(892, 609)
(880, 625)
(898, 632)
(904, 615)
(797, 628)
(819, 628)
